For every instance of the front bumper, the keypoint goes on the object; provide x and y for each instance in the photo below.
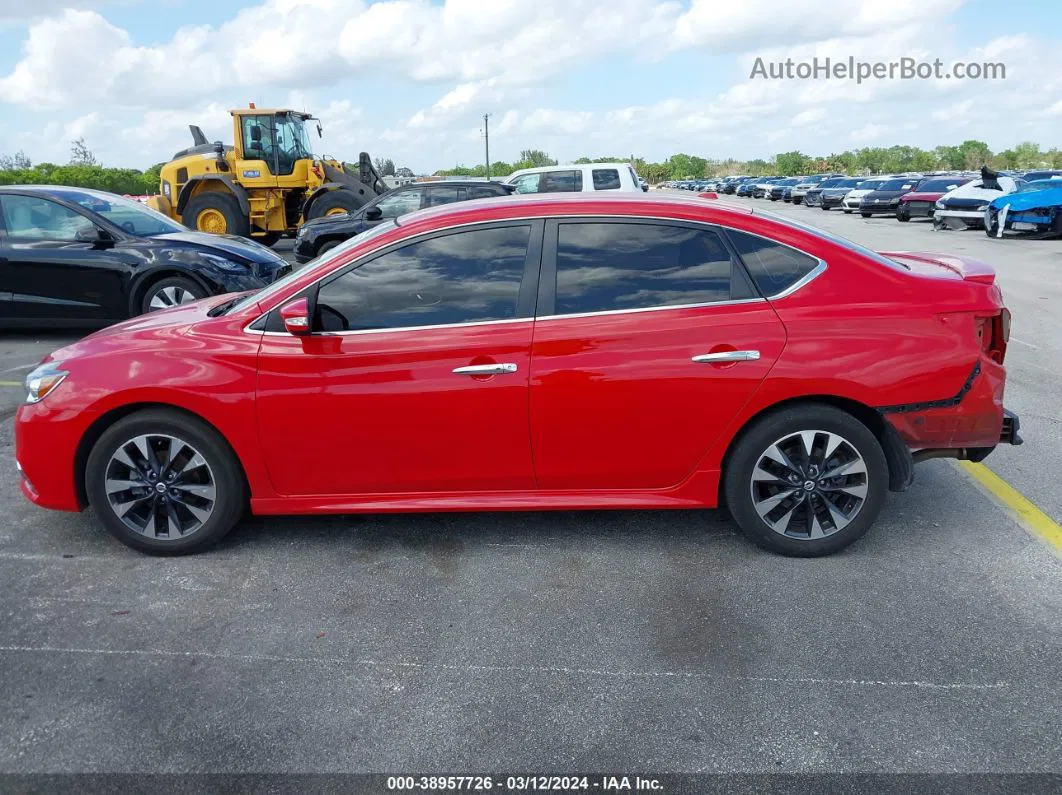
(878, 209)
(974, 215)
(918, 209)
(831, 201)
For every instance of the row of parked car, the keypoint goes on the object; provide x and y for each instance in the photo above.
(1026, 203)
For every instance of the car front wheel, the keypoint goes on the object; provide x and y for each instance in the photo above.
(171, 292)
(806, 481)
(164, 482)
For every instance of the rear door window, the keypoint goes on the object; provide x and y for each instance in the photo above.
(611, 266)
(606, 179)
(445, 194)
(527, 183)
(561, 182)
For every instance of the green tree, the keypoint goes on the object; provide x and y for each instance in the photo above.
(1027, 154)
(974, 154)
(80, 154)
(949, 157)
(790, 164)
(535, 158)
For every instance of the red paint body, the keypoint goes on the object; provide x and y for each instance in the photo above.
(607, 411)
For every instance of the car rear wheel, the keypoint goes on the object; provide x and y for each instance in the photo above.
(164, 483)
(170, 292)
(806, 481)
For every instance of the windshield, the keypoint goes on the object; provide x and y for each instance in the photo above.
(896, 184)
(292, 138)
(831, 183)
(941, 185)
(1040, 184)
(132, 216)
(847, 183)
(281, 284)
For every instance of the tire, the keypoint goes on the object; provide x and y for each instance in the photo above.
(903, 214)
(217, 213)
(328, 245)
(847, 211)
(220, 469)
(866, 215)
(992, 229)
(268, 239)
(335, 202)
(824, 208)
(169, 292)
(791, 535)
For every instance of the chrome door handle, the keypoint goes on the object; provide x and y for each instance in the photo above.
(486, 369)
(727, 356)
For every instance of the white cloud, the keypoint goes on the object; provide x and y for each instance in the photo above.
(809, 116)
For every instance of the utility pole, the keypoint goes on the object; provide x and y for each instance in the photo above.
(486, 139)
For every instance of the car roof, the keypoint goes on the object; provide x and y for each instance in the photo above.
(572, 167)
(574, 203)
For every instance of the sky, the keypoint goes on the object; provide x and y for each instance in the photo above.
(411, 79)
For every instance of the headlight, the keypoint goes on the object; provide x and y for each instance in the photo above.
(225, 264)
(982, 206)
(895, 201)
(939, 204)
(43, 381)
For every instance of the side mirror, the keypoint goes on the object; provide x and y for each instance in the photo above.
(296, 317)
(93, 234)
(219, 147)
(374, 214)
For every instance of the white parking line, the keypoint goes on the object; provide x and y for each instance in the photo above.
(20, 367)
(1023, 342)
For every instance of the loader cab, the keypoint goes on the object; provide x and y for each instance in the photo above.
(271, 144)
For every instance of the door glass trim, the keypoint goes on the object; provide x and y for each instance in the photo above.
(548, 247)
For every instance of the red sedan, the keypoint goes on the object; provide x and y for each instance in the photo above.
(530, 353)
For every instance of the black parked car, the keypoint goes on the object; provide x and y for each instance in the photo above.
(321, 234)
(72, 256)
(777, 190)
(887, 198)
(833, 195)
(813, 196)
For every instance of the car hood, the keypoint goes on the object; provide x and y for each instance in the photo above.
(223, 244)
(837, 191)
(916, 196)
(1049, 197)
(974, 190)
(332, 222)
(884, 194)
(147, 332)
(858, 193)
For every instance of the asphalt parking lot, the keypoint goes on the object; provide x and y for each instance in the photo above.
(560, 642)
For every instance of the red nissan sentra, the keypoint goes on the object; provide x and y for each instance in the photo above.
(529, 353)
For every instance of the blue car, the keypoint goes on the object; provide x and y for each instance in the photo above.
(1035, 209)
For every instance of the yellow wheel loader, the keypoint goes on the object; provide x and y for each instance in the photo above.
(264, 186)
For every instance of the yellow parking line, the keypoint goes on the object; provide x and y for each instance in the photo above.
(1027, 515)
(11, 383)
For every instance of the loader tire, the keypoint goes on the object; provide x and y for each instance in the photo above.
(335, 202)
(218, 213)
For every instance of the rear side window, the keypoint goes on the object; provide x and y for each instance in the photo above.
(606, 179)
(447, 194)
(468, 276)
(613, 266)
(774, 267)
(560, 182)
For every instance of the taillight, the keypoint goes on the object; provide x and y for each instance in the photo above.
(993, 333)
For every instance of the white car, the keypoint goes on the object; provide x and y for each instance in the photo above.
(580, 178)
(965, 206)
(851, 199)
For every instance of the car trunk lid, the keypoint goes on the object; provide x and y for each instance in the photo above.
(945, 265)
